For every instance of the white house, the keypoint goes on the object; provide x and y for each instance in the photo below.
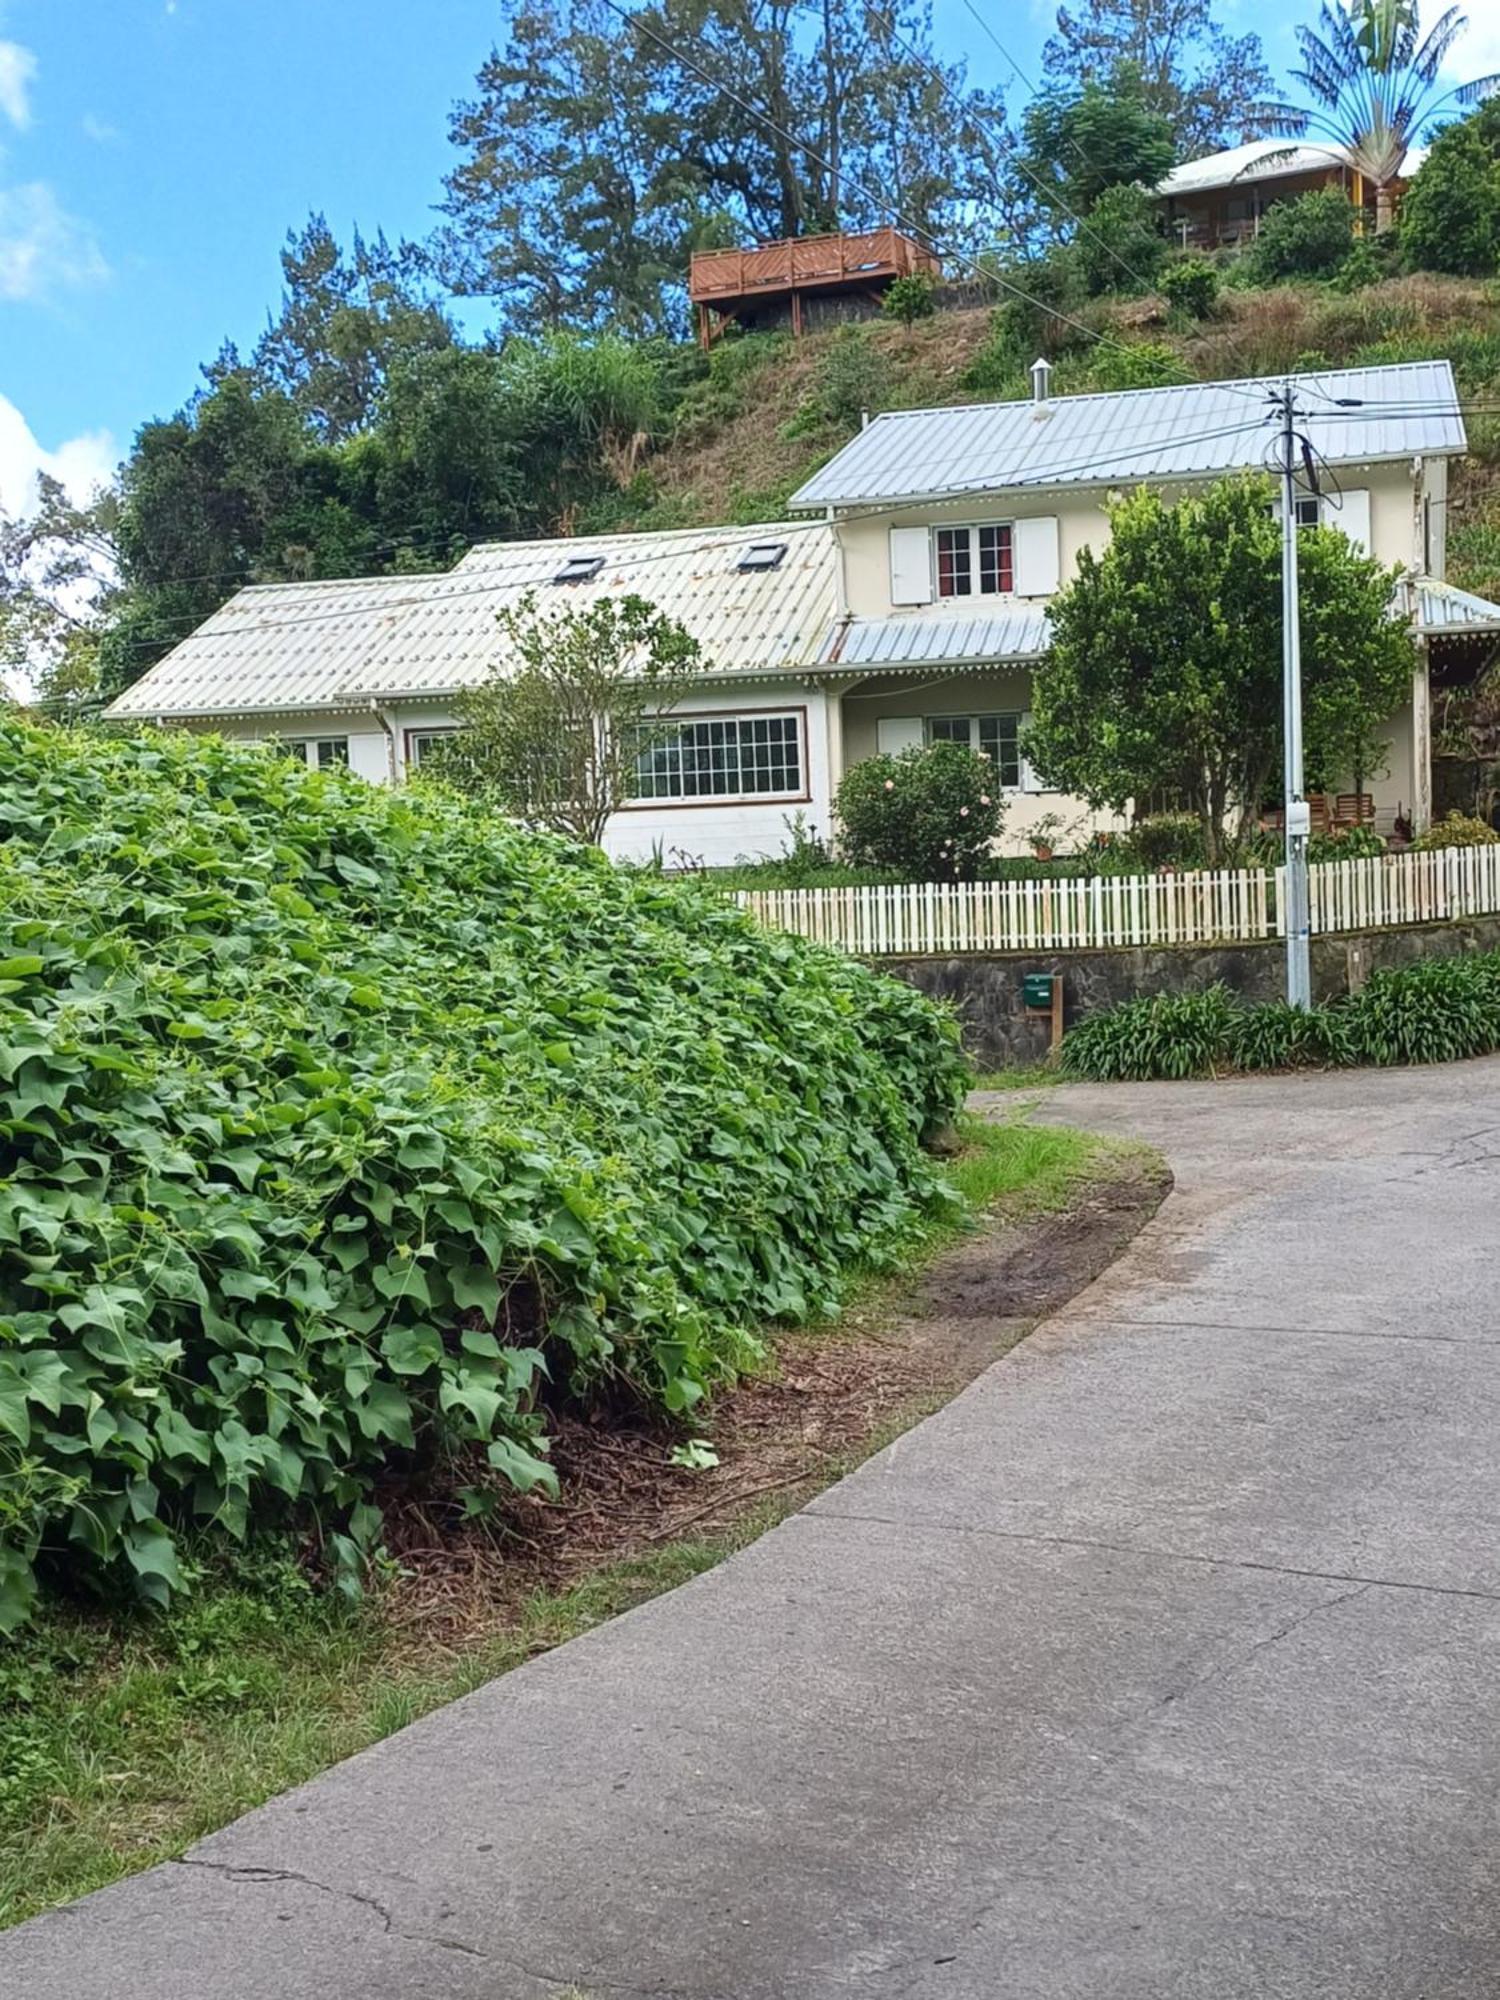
(910, 604)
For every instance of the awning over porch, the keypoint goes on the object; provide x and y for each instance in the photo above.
(1016, 632)
(1441, 610)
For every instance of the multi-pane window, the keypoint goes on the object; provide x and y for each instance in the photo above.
(723, 757)
(997, 737)
(421, 743)
(977, 560)
(1309, 511)
(319, 751)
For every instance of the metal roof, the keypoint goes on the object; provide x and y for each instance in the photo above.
(1194, 430)
(283, 648)
(1442, 608)
(1265, 160)
(1019, 632)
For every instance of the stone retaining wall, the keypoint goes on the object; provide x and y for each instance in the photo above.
(985, 992)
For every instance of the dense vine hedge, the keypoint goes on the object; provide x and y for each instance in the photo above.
(332, 1122)
(1437, 1010)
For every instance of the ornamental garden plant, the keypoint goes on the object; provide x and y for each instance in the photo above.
(343, 1134)
(1437, 1010)
(930, 815)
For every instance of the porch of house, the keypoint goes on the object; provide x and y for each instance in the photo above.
(988, 709)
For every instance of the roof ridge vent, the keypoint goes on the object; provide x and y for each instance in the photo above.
(1041, 379)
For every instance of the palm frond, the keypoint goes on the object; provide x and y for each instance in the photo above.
(1444, 32)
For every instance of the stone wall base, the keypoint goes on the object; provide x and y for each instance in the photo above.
(985, 991)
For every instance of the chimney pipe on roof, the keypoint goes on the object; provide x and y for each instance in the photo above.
(1041, 379)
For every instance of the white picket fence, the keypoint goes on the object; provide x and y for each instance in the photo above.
(1207, 906)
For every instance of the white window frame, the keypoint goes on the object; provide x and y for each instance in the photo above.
(976, 588)
(1025, 778)
(416, 741)
(310, 750)
(676, 801)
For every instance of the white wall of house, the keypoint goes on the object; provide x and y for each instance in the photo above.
(1383, 509)
(781, 726)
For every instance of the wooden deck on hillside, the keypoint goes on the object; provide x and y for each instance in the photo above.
(722, 284)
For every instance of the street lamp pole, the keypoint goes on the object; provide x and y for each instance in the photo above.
(1295, 915)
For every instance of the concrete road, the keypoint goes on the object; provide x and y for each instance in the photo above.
(1164, 1664)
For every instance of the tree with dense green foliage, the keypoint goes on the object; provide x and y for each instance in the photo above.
(576, 705)
(1207, 84)
(930, 814)
(598, 153)
(910, 297)
(346, 321)
(1123, 247)
(350, 1130)
(1164, 672)
(1373, 79)
(1450, 215)
(1190, 285)
(1078, 143)
(1307, 237)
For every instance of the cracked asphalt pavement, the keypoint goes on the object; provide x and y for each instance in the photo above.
(1160, 1665)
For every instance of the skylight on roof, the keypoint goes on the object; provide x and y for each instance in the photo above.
(579, 569)
(762, 555)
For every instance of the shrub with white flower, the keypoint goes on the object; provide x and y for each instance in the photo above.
(930, 815)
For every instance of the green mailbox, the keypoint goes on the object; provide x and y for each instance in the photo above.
(1036, 990)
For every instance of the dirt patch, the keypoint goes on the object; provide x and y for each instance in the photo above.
(828, 1398)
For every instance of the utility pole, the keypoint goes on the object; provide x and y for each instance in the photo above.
(1295, 916)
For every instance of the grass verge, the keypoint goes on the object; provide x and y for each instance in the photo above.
(125, 1739)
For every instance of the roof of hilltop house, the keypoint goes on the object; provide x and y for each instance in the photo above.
(757, 599)
(1264, 160)
(1190, 431)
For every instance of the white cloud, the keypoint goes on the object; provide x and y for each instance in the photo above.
(43, 249)
(83, 463)
(98, 129)
(17, 73)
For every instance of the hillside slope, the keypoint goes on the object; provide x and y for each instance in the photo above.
(772, 409)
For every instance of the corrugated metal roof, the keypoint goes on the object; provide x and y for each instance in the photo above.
(1442, 608)
(1191, 431)
(1264, 160)
(282, 648)
(1020, 632)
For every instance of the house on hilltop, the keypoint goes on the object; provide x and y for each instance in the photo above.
(907, 604)
(1217, 202)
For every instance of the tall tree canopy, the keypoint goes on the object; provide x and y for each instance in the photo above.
(1209, 85)
(598, 153)
(346, 319)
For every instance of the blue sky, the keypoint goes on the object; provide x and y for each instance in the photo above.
(153, 154)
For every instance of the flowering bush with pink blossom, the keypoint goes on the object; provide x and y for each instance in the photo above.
(930, 814)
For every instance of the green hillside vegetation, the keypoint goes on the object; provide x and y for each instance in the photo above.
(343, 1134)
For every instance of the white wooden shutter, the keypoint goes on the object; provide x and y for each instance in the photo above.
(1352, 515)
(1036, 555)
(895, 733)
(911, 566)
